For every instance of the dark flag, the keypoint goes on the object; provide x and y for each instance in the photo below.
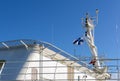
(93, 62)
(78, 41)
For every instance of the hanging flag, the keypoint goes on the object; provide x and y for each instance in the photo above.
(93, 62)
(78, 41)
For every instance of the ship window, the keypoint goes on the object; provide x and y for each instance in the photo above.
(2, 63)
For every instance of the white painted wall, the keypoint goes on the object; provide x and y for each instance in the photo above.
(21, 61)
(15, 59)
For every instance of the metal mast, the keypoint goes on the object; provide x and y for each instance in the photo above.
(88, 24)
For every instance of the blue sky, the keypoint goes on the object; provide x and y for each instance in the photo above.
(59, 22)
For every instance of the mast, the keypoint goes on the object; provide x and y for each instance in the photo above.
(88, 24)
(89, 38)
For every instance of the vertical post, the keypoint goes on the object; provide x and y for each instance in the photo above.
(55, 71)
(118, 70)
(34, 74)
(70, 73)
(78, 78)
(41, 63)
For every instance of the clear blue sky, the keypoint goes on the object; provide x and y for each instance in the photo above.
(59, 22)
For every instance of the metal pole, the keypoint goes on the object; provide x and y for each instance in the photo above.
(78, 78)
(41, 63)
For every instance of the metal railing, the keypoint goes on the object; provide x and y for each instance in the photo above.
(113, 69)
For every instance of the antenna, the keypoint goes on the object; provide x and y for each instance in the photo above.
(117, 41)
(52, 33)
(97, 11)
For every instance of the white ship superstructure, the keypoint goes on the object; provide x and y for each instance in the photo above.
(30, 60)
